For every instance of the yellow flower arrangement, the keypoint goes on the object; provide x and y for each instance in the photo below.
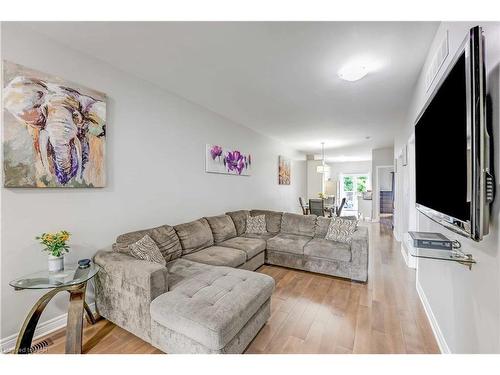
(55, 243)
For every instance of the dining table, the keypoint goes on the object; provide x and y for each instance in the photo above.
(328, 208)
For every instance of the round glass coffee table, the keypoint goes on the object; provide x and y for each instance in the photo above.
(73, 280)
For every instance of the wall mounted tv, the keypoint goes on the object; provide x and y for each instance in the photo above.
(454, 186)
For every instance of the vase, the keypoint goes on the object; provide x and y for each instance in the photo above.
(56, 264)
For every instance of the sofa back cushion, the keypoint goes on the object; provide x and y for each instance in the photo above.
(302, 225)
(164, 236)
(240, 220)
(222, 227)
(273, 219)
(322, 224)
(194, 236)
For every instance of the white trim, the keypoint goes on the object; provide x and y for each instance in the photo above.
(406, 247)
(443, 346)
(376, 214)
(396, 234)
(409, 260)
(8, 343)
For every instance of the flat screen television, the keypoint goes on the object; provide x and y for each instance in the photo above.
(454, 186)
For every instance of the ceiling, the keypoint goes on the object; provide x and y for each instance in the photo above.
(278, 78)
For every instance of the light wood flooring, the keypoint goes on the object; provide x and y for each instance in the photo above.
(314, 313)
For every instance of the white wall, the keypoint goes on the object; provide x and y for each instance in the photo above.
(338, 168)
(155, 165)
(465, 304)
(314, 179)
(380, 157)
(385, 178)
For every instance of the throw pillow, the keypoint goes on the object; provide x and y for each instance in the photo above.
(256, 224)
(147, 249)
(341, 230)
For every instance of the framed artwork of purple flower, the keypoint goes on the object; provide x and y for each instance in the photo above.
(219, 159)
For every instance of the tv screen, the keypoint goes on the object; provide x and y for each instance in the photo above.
(441, 147)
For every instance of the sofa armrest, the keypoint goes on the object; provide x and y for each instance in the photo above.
(125, 269)
(125, 287)
(359, 253)
(359, 245)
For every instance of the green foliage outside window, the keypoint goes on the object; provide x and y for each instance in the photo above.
(362, 180)
(348, 183)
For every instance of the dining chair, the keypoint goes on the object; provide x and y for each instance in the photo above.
(330, 200)
(317, 207)
(339, 209)
(304, 208)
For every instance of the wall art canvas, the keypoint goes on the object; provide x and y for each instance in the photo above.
(284, 171)
(54, 131)
(220, 159)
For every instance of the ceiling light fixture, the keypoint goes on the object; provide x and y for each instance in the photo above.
(323, 168)
(353, 72)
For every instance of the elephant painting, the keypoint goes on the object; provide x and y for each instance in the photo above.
(54, 131)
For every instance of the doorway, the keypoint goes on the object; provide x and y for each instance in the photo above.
(385, 195)
(352, 185)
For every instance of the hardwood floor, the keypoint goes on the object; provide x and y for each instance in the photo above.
(314, 313)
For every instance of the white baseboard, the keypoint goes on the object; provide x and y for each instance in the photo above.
(8, 343)
(409, 260)
(443, 346)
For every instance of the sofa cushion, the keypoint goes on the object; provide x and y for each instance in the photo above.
(164, 236)
(218, 256)
(273, 219)
(146, 249)
(326, 249)
(212, 307)
(262, 236)
(256, 224)
(322, 224)
(302, 225)
(181, 270)
(194, 236)
(288, 243)
(240, 220)
(341, 230)
(222, 227)
(251, 246)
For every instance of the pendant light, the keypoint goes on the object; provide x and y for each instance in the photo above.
(323, 168)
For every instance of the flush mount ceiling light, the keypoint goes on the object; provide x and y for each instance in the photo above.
(359, 66)
(353, 72)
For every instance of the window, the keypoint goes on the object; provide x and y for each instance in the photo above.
(353, 185)
(361, 182)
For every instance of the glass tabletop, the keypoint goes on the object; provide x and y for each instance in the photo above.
(449, 255)
(71, 275)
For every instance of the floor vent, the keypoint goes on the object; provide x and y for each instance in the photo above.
(41, 346)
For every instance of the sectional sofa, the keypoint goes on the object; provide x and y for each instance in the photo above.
(207, 299)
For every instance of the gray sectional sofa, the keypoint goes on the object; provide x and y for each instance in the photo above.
(207, 299)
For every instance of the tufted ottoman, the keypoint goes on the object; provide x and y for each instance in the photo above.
(219, 310)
